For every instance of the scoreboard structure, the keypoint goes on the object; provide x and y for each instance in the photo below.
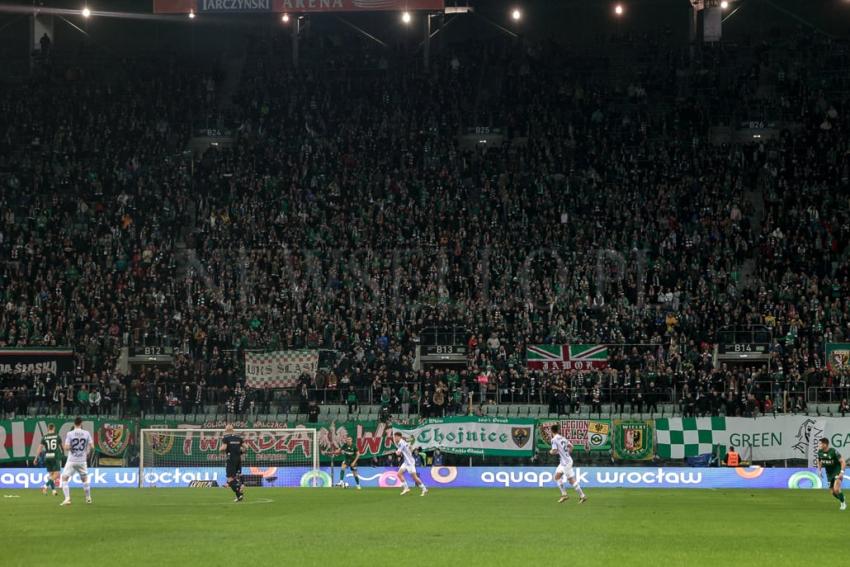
(747, 344)
(441, 347)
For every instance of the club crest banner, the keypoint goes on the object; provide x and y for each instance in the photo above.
(633, 439)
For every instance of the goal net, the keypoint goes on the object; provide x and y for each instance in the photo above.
(193, 457)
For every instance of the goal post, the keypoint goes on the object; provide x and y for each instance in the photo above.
(272, 457)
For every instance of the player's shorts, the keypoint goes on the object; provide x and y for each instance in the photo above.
(566, 471)
(52, 465)
(71, 468)
(830, 481)
(407, 468)
(233, 468)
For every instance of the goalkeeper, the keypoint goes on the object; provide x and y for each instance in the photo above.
(232, 446)
(350, 456)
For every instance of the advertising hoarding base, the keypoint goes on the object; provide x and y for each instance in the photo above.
(444, 477)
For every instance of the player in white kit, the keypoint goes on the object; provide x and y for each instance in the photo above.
(562, 447)
(408, 465)
(78, 445)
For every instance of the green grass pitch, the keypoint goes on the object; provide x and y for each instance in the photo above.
(377, 527)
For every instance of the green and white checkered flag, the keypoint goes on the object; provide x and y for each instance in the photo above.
(680, 437)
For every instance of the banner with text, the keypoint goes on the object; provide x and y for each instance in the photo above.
(633, 439)
(373, 438)
(443, 477)
(486, 436)
(756, 439)
(584, 434)
(51, 361)
(814, 442)
(566, 357)
(20, 439)
(293, 6)
(279, 369)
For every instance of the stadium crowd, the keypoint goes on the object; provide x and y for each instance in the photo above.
(348, 215)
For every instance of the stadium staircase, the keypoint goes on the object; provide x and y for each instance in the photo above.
(755, 201)
(233, 63)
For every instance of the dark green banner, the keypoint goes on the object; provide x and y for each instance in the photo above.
(633, 439)
(21, 438)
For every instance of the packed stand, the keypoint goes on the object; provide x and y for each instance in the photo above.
(347, 217)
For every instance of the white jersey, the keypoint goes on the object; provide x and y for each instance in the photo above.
(78, 441)
(563, 446)
(404, 451)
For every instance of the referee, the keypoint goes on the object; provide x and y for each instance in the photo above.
(231, 445)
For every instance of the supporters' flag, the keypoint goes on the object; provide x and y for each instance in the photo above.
(585, 434)
(838, 357)
(680, 437)
(470, 435)
(597, 434)
(113, 438)
(632, 439)
(566, 357)
(279, 369)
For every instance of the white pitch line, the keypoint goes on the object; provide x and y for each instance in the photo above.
(223, 503)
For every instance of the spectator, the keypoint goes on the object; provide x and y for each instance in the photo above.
(351, 400)
(94, 402)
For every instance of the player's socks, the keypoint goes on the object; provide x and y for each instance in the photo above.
(404, 485)
(66, 490)
(51, 485)
(579, 490)
(840, 497)
(562, 488)
(234, 486)
(342, 475)
(357, 480)
(87, 489)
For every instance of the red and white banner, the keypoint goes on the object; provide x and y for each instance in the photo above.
(566, 357)
(279, 369)
(293, 6)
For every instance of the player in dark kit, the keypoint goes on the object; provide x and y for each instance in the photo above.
(349, 460)
(51, 451)
(831, 461)
(231, 445)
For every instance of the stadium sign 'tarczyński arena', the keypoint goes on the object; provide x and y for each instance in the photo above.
(296, 6)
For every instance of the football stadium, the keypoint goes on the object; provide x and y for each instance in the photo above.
(441, 282)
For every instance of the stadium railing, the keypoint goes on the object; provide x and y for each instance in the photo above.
(827, 394)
